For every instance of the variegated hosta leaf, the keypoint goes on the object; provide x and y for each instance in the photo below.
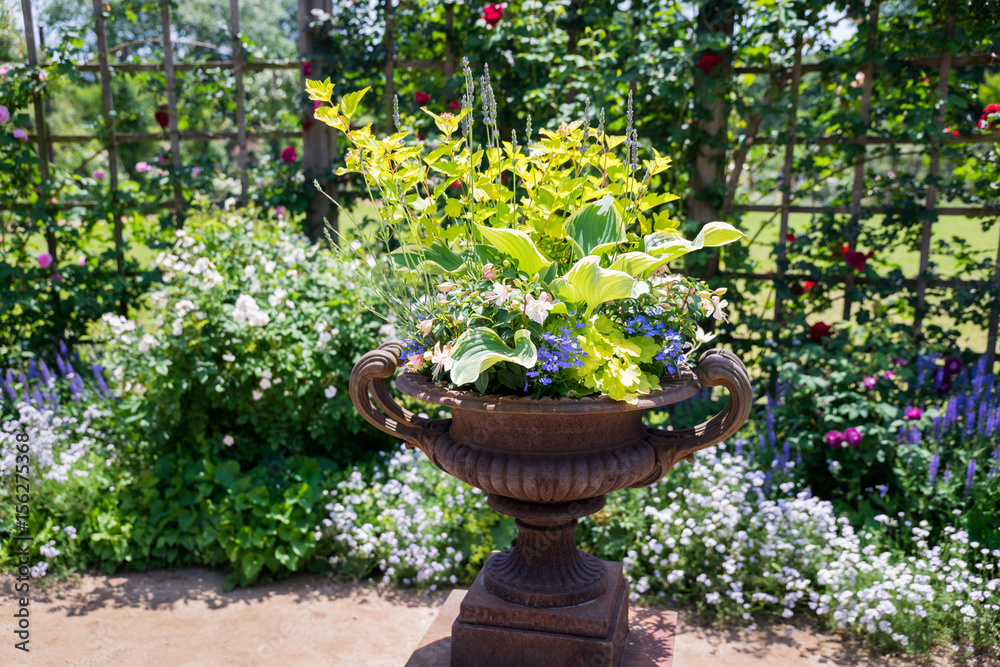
(478, 349)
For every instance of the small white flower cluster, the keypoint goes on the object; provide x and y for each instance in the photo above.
(56, 444)
(720, 539)
(247, 311)
(387, 523)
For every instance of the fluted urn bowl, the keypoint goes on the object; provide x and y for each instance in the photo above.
(548, 462)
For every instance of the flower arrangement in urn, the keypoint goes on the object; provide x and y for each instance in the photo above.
(532, 265)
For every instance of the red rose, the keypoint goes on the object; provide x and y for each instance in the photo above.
(985, 123)
(162, 119)
(492, 15)
(422, 98)
(790, 237)
(708, 62)
(818, 331)
(307, 69)
(288, 156)
(455, 105)
(803, 287)
(420, 135)
(855, 259)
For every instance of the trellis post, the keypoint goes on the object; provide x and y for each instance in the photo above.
(859, 162)
(175, 141)
(43, 133)
(933, 170)
(786, 177)
(241, 116)
(319, 142)
(111, 142)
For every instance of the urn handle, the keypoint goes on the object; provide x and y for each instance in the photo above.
(369, 392)
(716, 367)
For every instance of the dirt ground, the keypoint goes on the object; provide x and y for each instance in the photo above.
(182, 618)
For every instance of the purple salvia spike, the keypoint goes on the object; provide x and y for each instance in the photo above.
(54, 397)
(62, 348)
(33, 370)
(46, 373)
(970, 475)
(37, 396)
(24, 386)
(932, 469)
(8, 384)
(61, 365)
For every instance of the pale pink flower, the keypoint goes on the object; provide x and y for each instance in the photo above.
(538, 309)
(488, 272)
(20, 134)
(441, 358)
(142, 166)
(415, 361)
(81, 260)
(714, 306)
(446, 286)
(45, 260)
(4, 114)
(196, 171)
(501, 291)
(425, 326)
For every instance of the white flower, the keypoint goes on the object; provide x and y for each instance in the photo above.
(425, 326)
(501, 291)
(441, 358)
(265, 383)
(639, 288)
(538, 309)
(229, 203)
(71, 531)
(257, 395)
(247, 310)
(39, 570)
(713, 307)
(330, 391)
(228, 441)
(177, 327)
(276, 298)
(229, 357)
(147, 343)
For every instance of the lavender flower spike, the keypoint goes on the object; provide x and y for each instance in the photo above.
(970, 475)
(932, 470)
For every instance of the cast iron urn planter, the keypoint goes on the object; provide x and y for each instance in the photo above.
(547, 463)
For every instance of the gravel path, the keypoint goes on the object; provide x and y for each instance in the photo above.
(181, 618)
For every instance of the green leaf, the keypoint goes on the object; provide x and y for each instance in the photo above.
(518, 246)
(349, 103)
(717, 233)
(453, 207)
(637, 263)
(319, 91)
(596, 228)
(436, 259)
(596, 285)
(479, 349)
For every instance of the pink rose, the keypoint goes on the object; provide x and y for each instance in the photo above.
(4, 114)
(20, 134)
(45, 260)
(288, 155)
(142, 167)
(98, 174)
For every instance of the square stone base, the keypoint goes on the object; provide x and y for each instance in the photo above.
(645, 640)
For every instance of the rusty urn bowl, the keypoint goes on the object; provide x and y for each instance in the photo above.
(548, 462)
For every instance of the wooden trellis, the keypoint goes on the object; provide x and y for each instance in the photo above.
(320, 151)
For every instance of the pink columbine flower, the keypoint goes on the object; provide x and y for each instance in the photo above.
(20, 134)
(538, 309)
(869, 382)
(488, 272)
(446, 286)
(425, 326)
(415, 361)
(4, 114)
(142, 167)
(835, 439)
(852, 436)
(913, 414)
(45, 260)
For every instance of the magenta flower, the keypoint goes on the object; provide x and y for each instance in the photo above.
(888, 375)
(45, 260)
(835, 439)
(913, 414)
(20, 134)
(98, 174)
(4, 114)
(288, 155)
(869, 382)
(952, 365)
(852, 436)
